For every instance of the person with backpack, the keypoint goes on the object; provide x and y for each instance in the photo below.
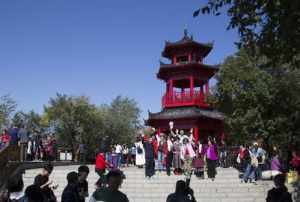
(140, 154)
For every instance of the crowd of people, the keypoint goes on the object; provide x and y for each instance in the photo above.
(175, 152)
(32, 145)
(255, 163)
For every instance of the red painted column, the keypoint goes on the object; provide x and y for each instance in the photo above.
(174, 59)
(171, 91)
(190, 57)
(207, 87)
(196, 134)
(192, 87)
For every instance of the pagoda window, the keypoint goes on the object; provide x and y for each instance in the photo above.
(182, 59)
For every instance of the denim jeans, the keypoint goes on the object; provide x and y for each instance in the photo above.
(160, 158)
(249, 173)
(119, 161)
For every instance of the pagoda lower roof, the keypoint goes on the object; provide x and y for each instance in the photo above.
(186, 112)
(166, 69)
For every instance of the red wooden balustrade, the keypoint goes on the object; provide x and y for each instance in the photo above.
(177, 99)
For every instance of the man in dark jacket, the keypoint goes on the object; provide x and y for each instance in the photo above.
(23, 141)
(13, 132)
(70, 193)
(149, 155)
(279, 193)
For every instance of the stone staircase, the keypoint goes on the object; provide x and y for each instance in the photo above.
(226, 188)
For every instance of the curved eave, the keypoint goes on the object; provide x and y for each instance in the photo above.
(172, 47)
(166, 69)
(183, 113)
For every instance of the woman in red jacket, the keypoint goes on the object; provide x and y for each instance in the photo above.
(100, 168)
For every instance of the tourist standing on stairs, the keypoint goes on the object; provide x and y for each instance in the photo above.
(23, 141)
(149, 155)
(177, 165)
(140, 153)
(100, 168)
(223, 154)
(211, 159)
(160, 154)
(188, 154)
(249, 174)
(168, 149)
(119, 150)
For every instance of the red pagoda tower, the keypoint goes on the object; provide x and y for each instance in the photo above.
(187, 85)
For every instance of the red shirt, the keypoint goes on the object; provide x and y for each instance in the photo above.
(5, 138)
(100, 162)
(295, 162)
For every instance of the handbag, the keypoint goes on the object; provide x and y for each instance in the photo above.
(292, 177)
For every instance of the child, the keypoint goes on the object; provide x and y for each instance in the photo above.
(198, 164)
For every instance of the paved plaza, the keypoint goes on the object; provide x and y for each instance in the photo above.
(226, 187)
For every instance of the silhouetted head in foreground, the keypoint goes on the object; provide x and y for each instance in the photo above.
(72, 178)
(115, 179)
(180, 186)
(33, 193)
(279, 181)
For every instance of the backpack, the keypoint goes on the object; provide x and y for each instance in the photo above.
(139, 150)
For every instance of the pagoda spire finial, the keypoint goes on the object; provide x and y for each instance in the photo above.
(185, 32)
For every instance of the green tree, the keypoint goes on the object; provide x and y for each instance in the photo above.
(7, 107)
(256, 103)
(122, 119)
(75, 120)
(272, 27)
(31, 121)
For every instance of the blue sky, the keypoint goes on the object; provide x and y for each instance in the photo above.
(97, 48)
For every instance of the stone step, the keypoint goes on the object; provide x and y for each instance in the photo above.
(226, 187)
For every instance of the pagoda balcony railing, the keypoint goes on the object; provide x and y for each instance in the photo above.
(178, 99)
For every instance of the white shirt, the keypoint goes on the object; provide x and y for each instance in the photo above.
(118, 149)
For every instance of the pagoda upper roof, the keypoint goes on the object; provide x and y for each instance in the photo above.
(186, 112)
(186, 41)
(166, 69)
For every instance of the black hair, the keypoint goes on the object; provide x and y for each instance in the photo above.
(115, 174)
(72, 178)
(279, 180)
(83, 169)
(15, 184)
(40, 180)
(34, 193)
(180, 186)
(49, 168)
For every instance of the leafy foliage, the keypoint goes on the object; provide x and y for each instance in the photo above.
(75, 120)
(257, 103)
(31, 121)
(7, 106)
(272, 27)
